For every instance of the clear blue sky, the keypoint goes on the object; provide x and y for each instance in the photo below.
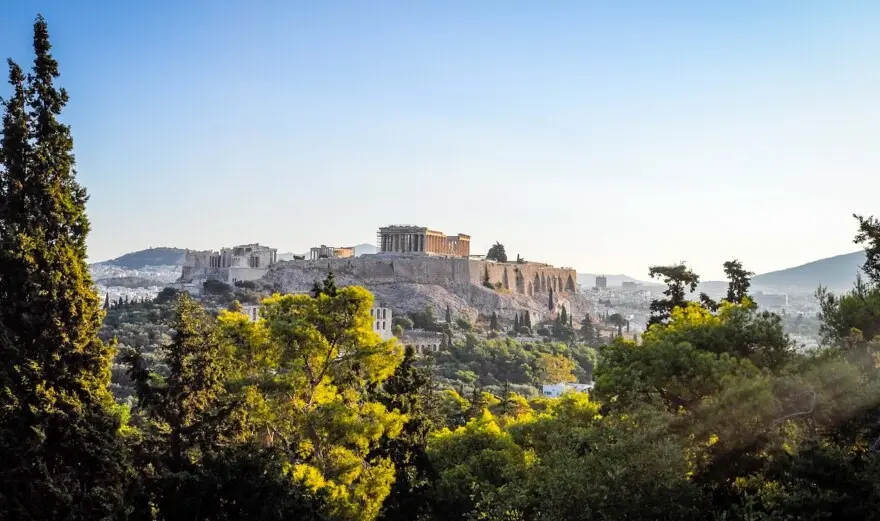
(606, 135)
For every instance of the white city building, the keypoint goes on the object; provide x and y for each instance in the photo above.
(557, 390)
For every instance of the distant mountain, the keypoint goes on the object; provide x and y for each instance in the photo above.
(149, 257)
(837, 273)
(289, 256)
(365, 249)
(588, 280)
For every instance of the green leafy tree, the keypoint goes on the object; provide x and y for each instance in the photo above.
(59, 437)
(678, 279)
(303, 371)
(497, 253)
(739, 281)
(869, 235)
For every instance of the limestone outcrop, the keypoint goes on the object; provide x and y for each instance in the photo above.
(410, 283)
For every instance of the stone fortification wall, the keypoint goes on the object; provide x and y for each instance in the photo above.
(526, 279)
(392, 268)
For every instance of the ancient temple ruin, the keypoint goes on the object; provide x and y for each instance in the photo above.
(420, 239)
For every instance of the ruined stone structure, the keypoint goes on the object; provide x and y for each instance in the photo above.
(331, 252)
(382, 322)
(381, 318)
(229, 265)
(420, 239)
(422, 341)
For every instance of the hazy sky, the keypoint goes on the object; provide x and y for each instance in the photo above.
(603, 135)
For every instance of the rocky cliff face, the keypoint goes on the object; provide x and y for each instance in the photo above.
(406, 293)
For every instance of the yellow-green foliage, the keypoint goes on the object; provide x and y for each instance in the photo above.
(304, 367)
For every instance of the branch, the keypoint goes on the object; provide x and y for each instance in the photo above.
(799, 413)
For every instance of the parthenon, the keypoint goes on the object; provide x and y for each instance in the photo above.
(419, 239)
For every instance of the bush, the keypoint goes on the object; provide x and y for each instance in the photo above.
(216, 287)
(463, 324)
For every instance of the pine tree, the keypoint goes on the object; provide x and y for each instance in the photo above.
(59, 444)
(588, 332)
(330, 285)
(411, 391)
(493, 322)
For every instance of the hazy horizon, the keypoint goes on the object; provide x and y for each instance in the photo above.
(602, 137)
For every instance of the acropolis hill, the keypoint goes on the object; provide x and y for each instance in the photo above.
(417, 266)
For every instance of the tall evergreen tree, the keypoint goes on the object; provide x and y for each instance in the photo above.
(59, 443)
(563, 316)
(493, 322)
(516, 322)
(106, 301)
(528, 319)
(550, 304)
(411, 391)
(678, 279)
(448, 314)
(588, 332)
(739, 281)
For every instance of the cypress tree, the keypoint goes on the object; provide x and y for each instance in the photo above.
(106, 301)
(59, 444)
(563, 316)
(528, 319)
(516, 322)
(448, 314)
(550, 302)
(493, 322)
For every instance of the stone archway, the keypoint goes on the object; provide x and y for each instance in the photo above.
(537, 284)
(543, 283)
(520, 282)
(505, 280)
(569, 284)
(530, 289)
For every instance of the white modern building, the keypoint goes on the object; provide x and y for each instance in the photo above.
(557, 390)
